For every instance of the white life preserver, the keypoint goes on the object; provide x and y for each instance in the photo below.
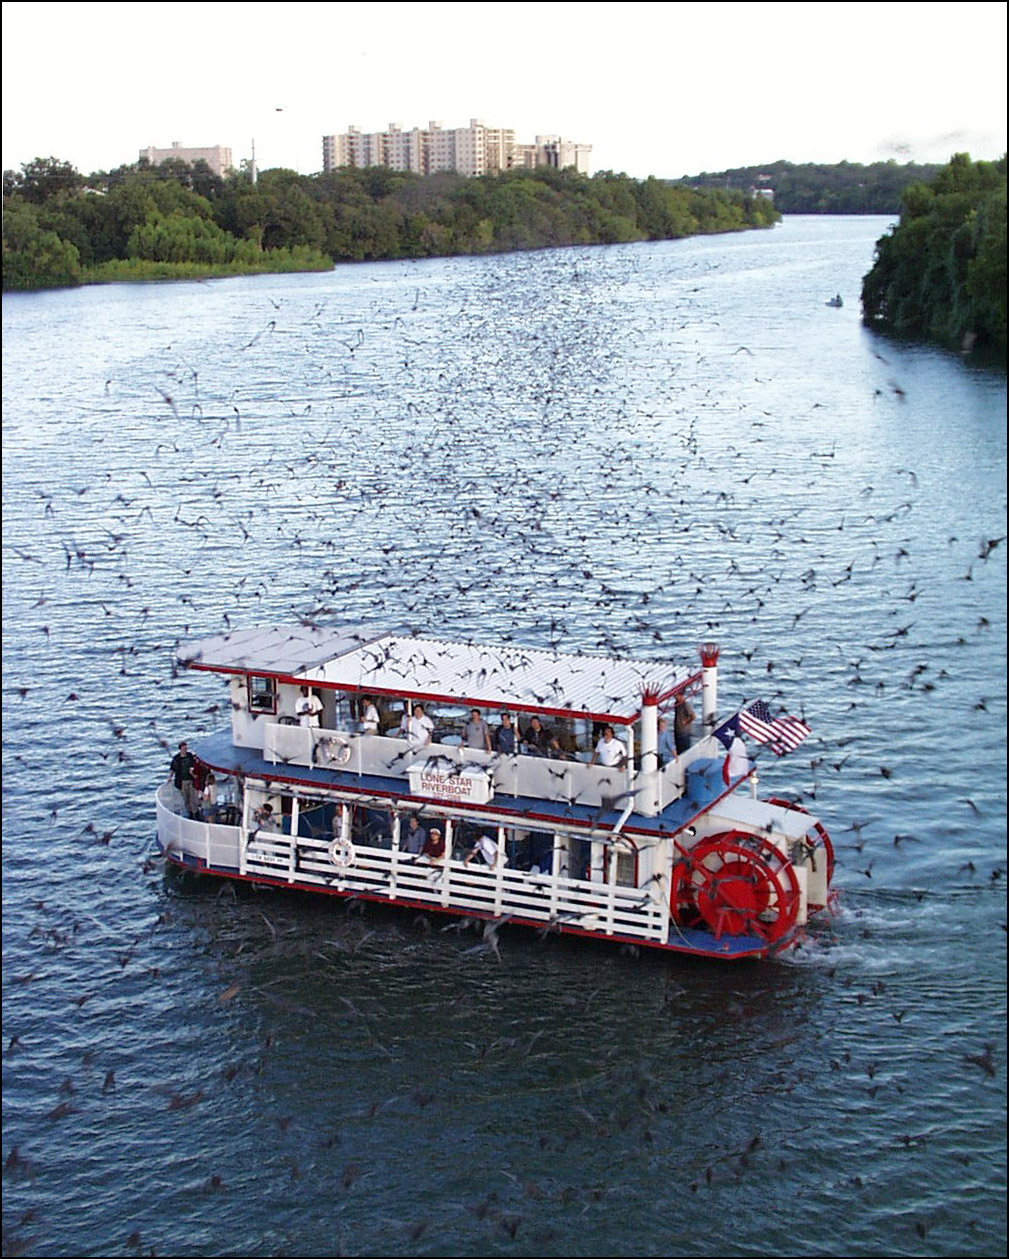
(341, 853)
(334, 750)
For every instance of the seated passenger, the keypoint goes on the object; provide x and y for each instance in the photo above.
(434, 845)
(209, 795)
(414, 837)
(487, 849)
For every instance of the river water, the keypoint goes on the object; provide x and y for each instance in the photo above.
(633, 448)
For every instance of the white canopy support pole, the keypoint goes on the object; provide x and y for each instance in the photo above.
(709, 686)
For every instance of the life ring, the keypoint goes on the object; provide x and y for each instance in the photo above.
(333, 750)
(341, 853)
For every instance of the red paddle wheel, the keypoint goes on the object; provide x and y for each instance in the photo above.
(821, 831)
(735, 883)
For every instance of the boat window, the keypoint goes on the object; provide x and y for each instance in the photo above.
(627, 869)
(262, 694)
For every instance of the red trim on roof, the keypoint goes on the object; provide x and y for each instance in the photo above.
(432, 697)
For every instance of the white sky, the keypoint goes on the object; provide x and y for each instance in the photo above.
(656, 89)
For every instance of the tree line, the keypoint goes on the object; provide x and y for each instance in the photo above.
(810, 188)
(143, 221)
(940, 273)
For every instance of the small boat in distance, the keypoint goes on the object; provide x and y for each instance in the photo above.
(363, 764)
(837, 301)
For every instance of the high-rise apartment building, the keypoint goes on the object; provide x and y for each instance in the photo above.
(473, 150)
(217, 157)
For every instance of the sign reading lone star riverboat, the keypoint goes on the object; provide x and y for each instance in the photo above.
(471, 786)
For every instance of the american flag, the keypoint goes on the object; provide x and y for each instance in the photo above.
(782, 734)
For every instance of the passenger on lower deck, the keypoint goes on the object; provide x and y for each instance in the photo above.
(264, 818)
(434, 845)
(412, 837)
(486, 850)
(541, 852)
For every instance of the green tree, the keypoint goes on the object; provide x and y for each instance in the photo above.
(940, 274)
(34, 257)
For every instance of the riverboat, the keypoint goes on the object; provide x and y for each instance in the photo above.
(331, 780)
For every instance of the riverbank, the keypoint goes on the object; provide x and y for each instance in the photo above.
(141, 222)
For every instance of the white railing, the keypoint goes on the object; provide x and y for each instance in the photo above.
(211, 842)
(600, 908)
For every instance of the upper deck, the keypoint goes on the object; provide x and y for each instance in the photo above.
(518, 679)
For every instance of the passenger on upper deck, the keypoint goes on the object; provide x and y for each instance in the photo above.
(369, 716)
(666, 746)
(420, 729)
(504, 736)
(536, 738)
(476, 732)
(609, 751)
(683, 724)
(308, 707)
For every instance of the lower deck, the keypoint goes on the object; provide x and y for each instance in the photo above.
(552, 881)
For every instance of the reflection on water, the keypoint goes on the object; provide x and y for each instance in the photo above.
(633, 448)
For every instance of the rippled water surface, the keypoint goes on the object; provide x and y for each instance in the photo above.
(625, 449)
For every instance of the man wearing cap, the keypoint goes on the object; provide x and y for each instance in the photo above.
(434, 845)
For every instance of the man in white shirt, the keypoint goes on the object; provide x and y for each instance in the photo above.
(420, 729)
(609, 751)
(370, 716)
(486, 848)
(308, 707)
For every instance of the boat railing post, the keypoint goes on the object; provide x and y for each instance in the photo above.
(709, 686)
(554, 881)
(292, 855)
(611, 890)
(662, 885)
(243, 833)
(499, 869)
(394, 856)
(446, 878)
(630, 756)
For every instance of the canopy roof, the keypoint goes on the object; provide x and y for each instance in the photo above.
(522, 678)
